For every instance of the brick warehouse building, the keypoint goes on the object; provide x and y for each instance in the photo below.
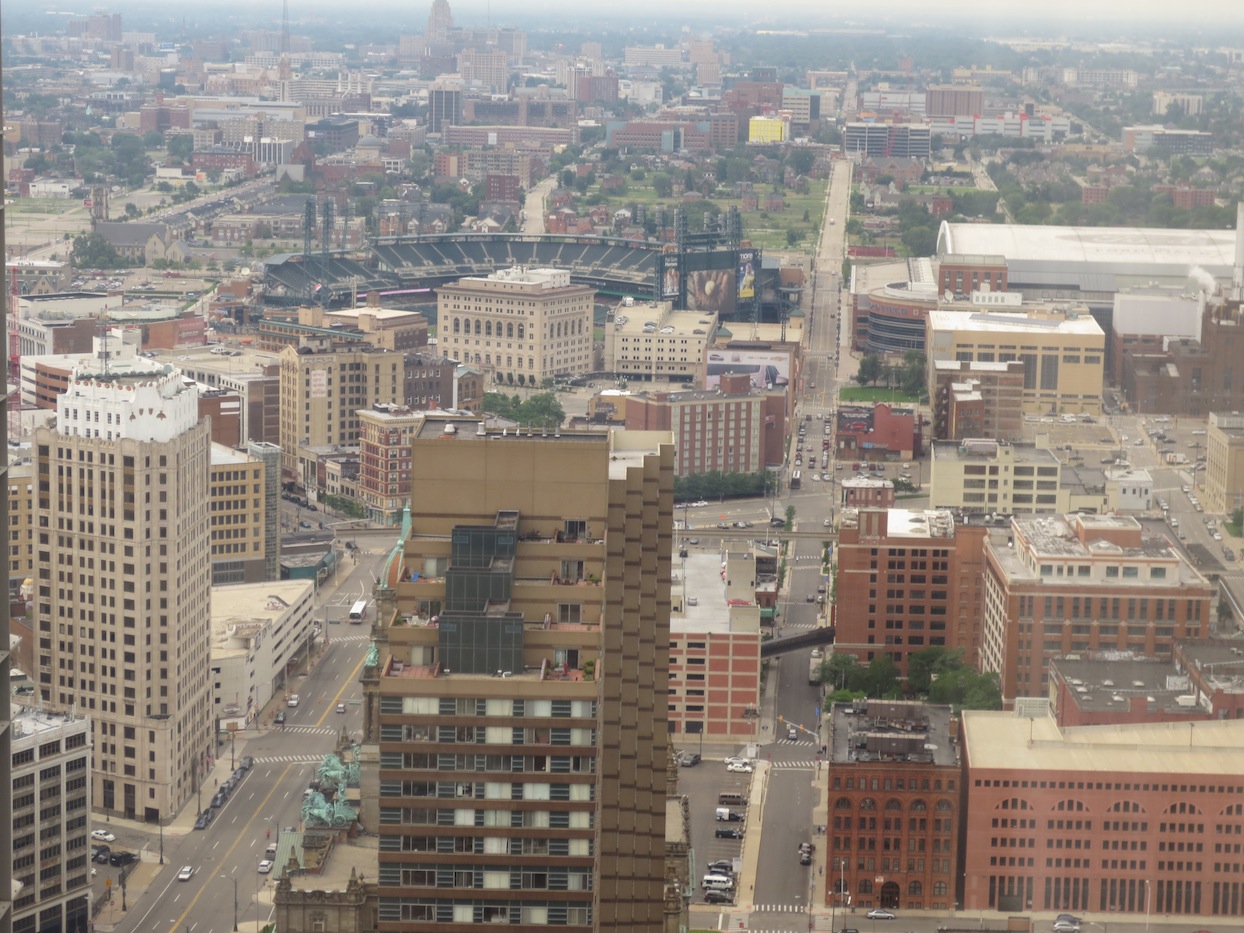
(894, 806)
(1133, 818)
(1080, 583)
(908, 580)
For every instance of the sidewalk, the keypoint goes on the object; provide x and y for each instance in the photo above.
(228, 753)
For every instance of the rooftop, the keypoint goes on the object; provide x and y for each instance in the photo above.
(1114, 683)
(994, 321)
(892, 731)
(1124, 245)
(1019, 744)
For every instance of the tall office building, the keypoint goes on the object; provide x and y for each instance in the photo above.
(322, 392)
(440, 21)
(444, 103)
(516, 702)
(122, 585)
(6, 734)
(520, 325)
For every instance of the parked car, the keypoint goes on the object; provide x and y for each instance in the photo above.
(1067, 925)
(246, 763)
(103, 835)
(722, 866)
(204, 820)
(728, 832)
(878, 913)
(265, 866)
(718, 897)
(739, 767)
(735, 760)
(120, 859)
(688, 759)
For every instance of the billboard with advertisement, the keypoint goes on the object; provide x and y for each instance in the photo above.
(711, 280)
(670, 277)
(747, 275)
(768, 369)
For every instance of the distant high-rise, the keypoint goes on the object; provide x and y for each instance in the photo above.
(440, 21)
(122, 583)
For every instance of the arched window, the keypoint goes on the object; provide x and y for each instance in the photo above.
(868, 804)
(943, 806)
(488, 328)
(866, 886)
(477, 327)
(893, 804)
(457, 326)
(509, 329)
(919, 806)
(939, 888)
(915, 889)
(522, 329)
(842, 803)
(509, 362)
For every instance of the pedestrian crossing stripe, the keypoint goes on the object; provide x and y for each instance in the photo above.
(288, 759)
(795, 742)
(310, 730)
(777, 909)
(793, 765)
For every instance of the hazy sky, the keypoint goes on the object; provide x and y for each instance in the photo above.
(1219, 21)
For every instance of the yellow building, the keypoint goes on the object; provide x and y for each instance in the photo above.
(1063, 354)
(322, 392)
(762, 131)
(237, 516)
(1224, 462)
(521, 658)
(21, 503)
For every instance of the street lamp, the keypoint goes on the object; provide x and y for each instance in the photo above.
(235, 904)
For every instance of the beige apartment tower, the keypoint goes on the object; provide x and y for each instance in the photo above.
(322, 391)
(122, 586)
(519, 325)
(516, 701)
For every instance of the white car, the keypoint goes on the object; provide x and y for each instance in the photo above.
(741, 767)
(735, 760)
(292, 701)
(186, 873)
(265, 866)
(103, 835)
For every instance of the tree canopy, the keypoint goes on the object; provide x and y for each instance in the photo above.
(541, 410)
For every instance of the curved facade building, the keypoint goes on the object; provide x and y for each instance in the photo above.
(897, 314)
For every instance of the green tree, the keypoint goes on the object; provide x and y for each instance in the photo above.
(801, 160)
(662, 185)
(840, 670)
(790, 517)
(180, 147)
(92, 251)
(881, 677)
(911, 376)
(542, 410)
(793, 236)
(131, 210)
(869, 371)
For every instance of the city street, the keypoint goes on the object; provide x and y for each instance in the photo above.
(225, 856)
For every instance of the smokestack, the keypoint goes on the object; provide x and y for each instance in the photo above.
(1237, 271)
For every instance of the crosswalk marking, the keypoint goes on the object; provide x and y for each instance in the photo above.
(310, 730)
(777, 909)
(793, 765)
(795, 742)
(288, 759)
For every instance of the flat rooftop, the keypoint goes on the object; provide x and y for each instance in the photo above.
(245, 608)
(985, 322)
(1132, 245)
(1114, 685)
(1020, 745)
(892, 732)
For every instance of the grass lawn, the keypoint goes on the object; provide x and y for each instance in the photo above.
(766, 229)
(52, 206)
(875, 394)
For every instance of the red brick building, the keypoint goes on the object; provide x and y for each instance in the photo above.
(977, 399)
(1078, 584)
(500, 187)
(894, 806)
(908, 580)
(740, 430)
(1130, 819)
(962, 275)
(881, 432)
(866, 492)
